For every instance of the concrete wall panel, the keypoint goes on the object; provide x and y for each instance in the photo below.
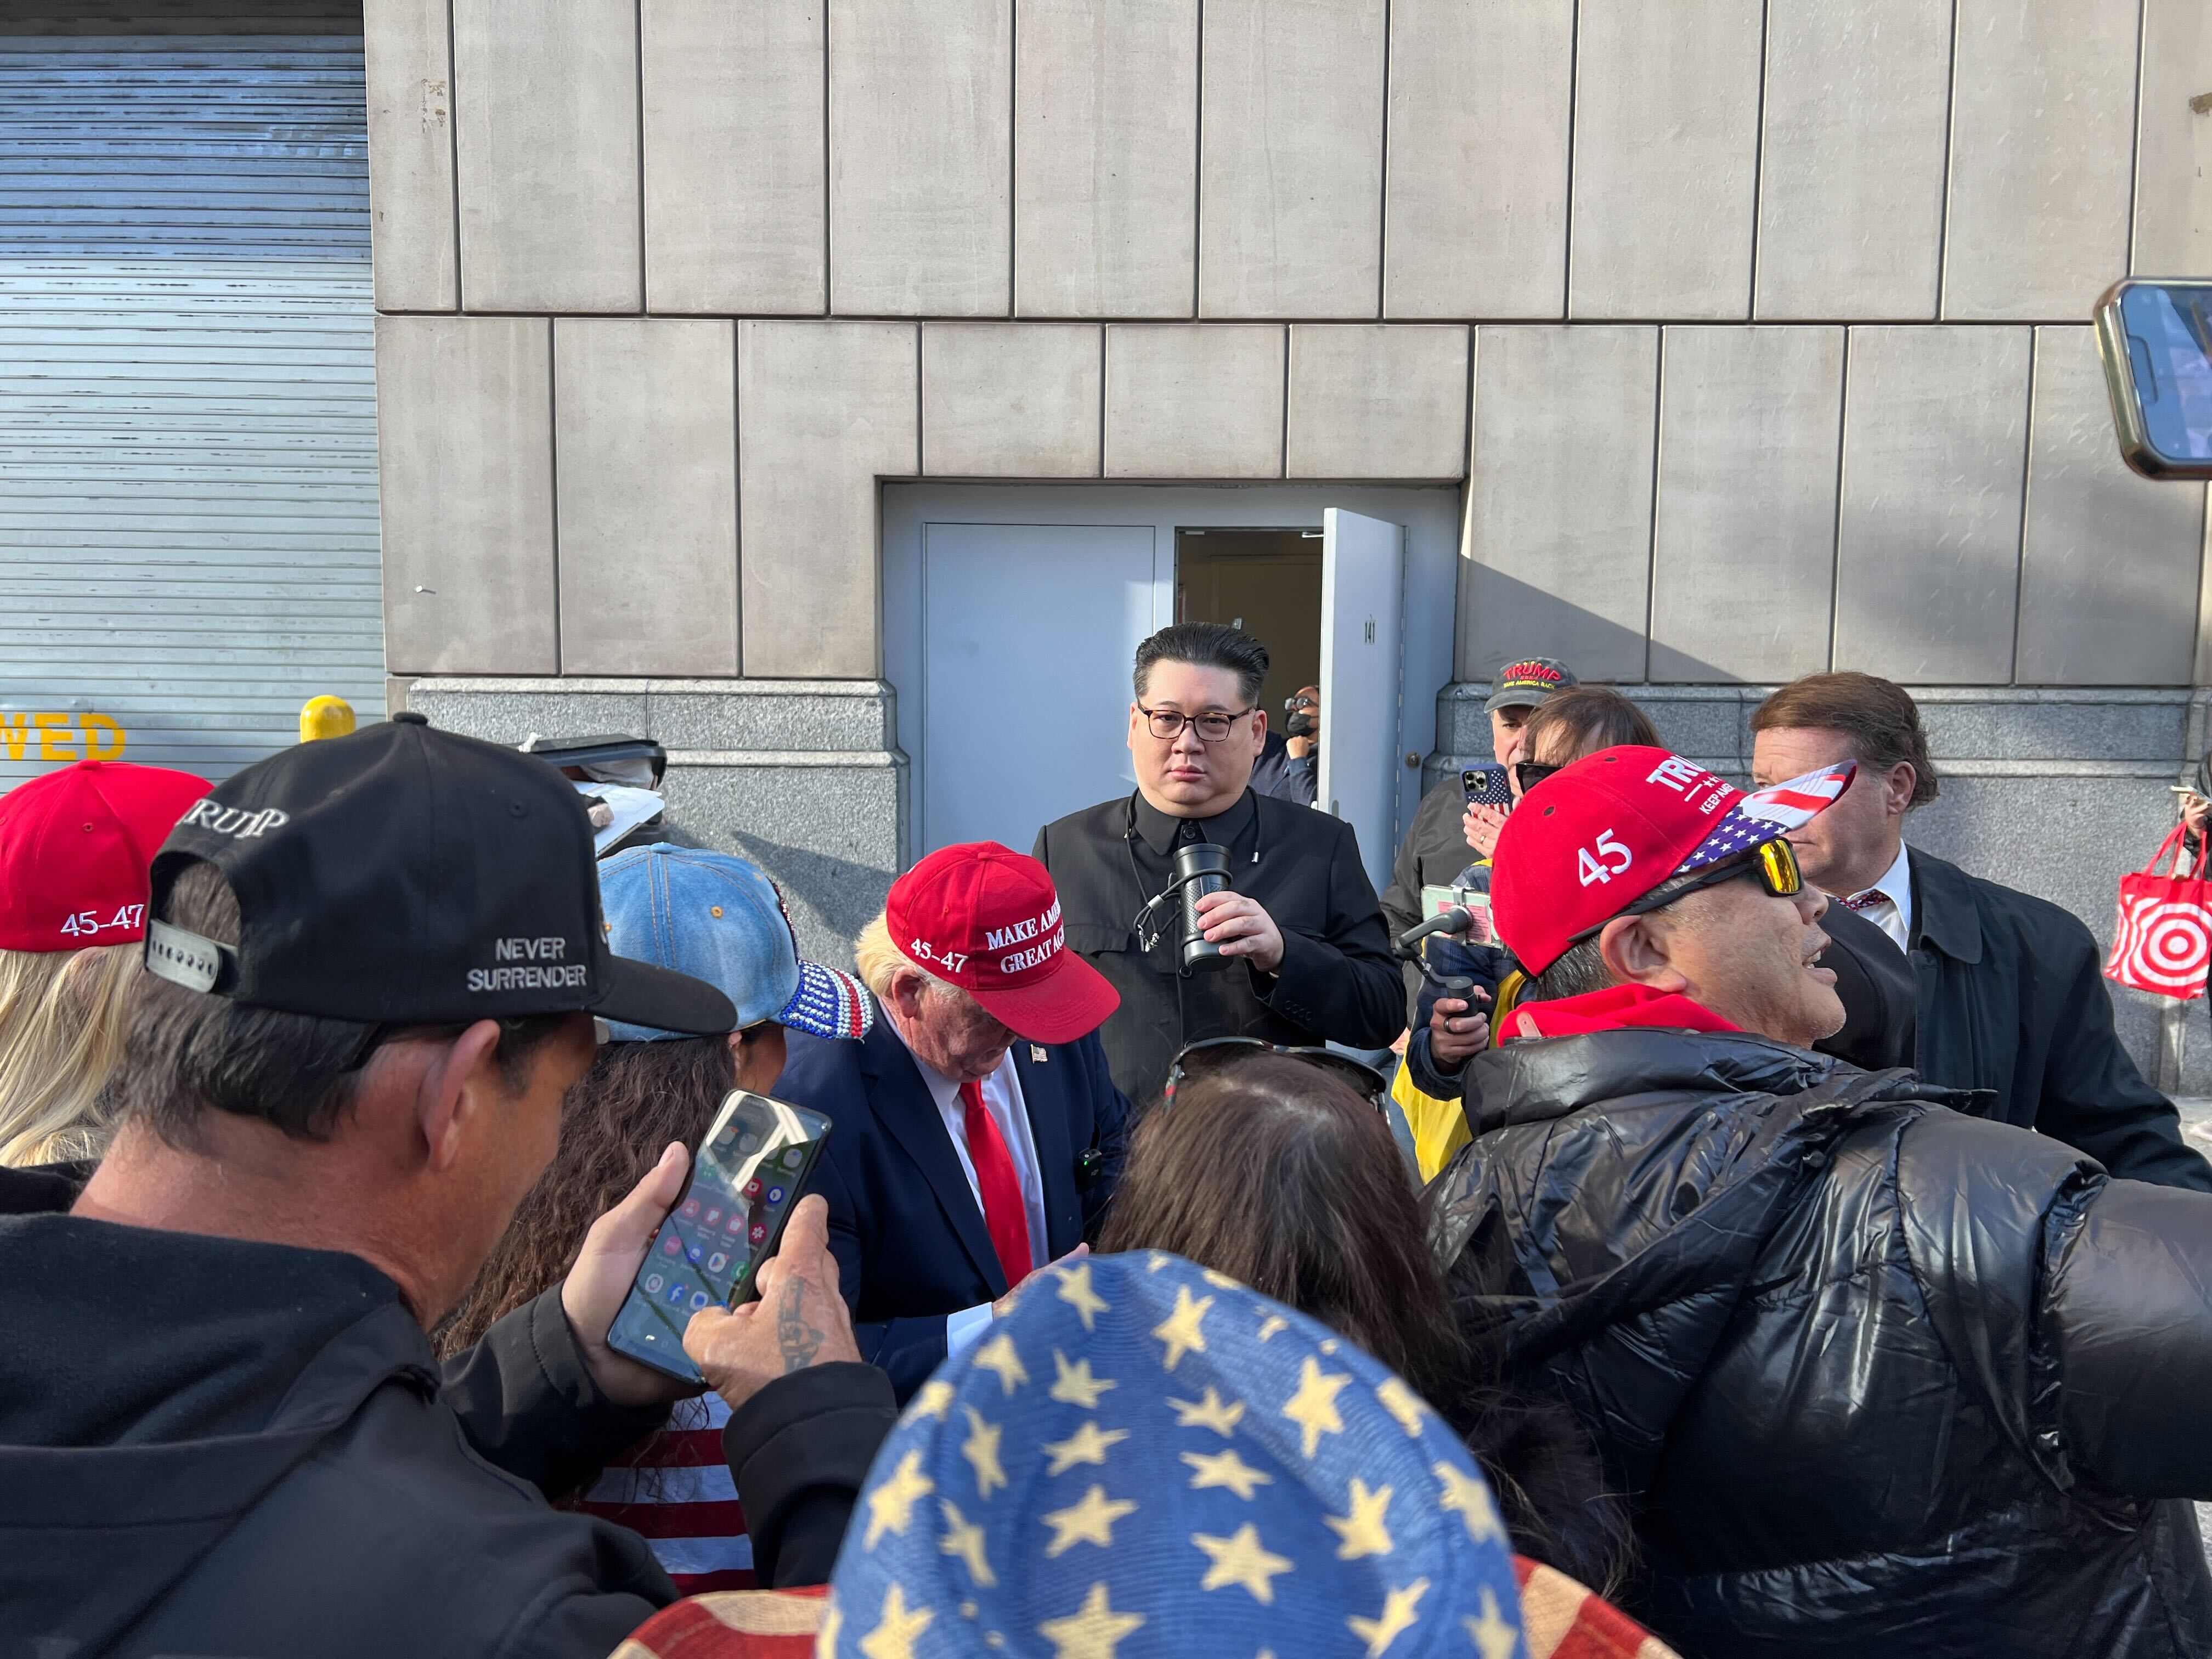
(645, 434)
(1290, 159)
(1666, 159)
(920, 127)
(1744, 539)
(2042, 138)
(735, 203)
(1559, 509)
(1476, 204)
(1105, 158)
(2109, 561)
(1851, 188)
(1928, 548)
(407, 45)
(2173, 143)
(1188, 402)
(464, 452)
(824, 411)
(1012, 400)
(546, 103)
(1376, 400)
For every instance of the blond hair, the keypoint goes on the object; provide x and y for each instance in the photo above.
(63, 1015)
(877, 958)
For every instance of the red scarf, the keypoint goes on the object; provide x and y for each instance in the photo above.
(1612, 1008)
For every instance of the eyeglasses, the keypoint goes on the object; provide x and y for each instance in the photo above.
(1529, 773)
(1774, 862)
(1212, 727)
(1204, 1058)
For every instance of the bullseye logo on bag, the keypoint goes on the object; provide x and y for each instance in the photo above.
(2168, 946)
(539, 964)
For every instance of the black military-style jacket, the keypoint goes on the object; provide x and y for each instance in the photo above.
(1338, 981)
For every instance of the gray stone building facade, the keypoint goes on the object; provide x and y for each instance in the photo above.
(1749, 338)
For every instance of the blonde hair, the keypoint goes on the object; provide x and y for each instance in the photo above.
(877, 958)
(63, 1015)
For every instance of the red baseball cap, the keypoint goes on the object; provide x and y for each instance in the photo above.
(986, 919)
(1595, 837)
(74, 848)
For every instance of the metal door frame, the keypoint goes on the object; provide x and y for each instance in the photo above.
(1430, 516)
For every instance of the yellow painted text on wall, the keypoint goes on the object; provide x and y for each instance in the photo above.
(59, 737)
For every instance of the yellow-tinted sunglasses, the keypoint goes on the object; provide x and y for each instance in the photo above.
(1774, 862)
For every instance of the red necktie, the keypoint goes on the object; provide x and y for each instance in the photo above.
(1005, 1216)
(1866, 900)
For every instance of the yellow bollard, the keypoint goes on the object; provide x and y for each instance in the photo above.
(325, 717)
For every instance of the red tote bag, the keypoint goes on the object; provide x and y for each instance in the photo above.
(2164, 939)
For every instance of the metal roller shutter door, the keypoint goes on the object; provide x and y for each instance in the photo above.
(188, 530)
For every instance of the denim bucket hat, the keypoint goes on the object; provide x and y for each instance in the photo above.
(720, 919)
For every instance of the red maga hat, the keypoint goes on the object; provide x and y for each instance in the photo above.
(74, 848)
(1595, 837)
(986, 919)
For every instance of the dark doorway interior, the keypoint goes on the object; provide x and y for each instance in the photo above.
(1267, 582)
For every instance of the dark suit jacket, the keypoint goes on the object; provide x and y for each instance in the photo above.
(2012, 998)
(1337, 981)
(1875, 983)
(904, 1225)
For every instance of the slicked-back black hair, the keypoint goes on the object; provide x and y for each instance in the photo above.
(1206, 645)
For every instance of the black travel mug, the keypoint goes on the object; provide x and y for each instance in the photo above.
(1201, 868)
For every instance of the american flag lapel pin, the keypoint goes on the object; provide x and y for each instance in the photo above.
(1037, 1054)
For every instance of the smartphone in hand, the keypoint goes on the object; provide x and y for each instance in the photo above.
(748, 1174)
(1485, 786)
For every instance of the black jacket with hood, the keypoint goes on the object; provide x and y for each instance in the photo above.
(211, 1446)
(1879, 1377)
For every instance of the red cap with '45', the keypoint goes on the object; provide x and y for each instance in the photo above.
(74, 848)
(1592, 838)
(984, 918)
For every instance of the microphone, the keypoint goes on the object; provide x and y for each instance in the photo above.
(1453, 921)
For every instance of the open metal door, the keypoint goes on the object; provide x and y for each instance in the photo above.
(1362, 596)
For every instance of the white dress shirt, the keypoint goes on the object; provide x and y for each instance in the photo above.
(1002, 1098)
(1893, 912)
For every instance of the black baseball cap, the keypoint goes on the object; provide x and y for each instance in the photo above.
(1524, 683)
(408, 875)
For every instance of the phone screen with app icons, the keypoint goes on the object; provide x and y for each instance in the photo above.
(748, 1173)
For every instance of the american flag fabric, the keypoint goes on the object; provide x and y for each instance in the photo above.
(1146, 1458)
(675, 1491)
(1765, 815)
(829, 1002)
(1560, 1620)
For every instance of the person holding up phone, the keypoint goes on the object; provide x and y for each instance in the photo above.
(721, 920)
(1451, 1031)
(1443, 835)
(374, 965)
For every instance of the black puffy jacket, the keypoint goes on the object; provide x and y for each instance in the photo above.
(1880, 1379)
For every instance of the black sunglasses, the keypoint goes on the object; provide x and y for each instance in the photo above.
(1529, 773)
(1211, 1055)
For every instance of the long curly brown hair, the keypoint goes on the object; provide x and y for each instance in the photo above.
(1275, 1172)
(615, 1121)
